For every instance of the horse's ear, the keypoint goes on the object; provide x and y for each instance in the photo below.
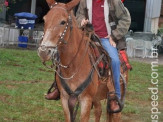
(50, 2)
(72, 4)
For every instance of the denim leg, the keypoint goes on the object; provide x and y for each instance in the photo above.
(115, 64)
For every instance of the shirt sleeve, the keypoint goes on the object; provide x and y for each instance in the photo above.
(124, 20)
(80, 14)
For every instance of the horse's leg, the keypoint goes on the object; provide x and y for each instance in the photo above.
(97, 111)
(109, 117)
(86, 104)
(66, 109)
(116, 117)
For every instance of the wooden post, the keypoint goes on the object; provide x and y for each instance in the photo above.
(3, 10)
(152, 14)
(33, 6)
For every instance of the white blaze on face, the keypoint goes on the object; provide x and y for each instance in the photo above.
(47, 40)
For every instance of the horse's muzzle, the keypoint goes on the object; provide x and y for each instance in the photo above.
(45, 53)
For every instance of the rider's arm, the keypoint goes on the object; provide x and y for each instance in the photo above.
(80, 15)
(124, 20)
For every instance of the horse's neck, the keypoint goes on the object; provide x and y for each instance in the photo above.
(74, 53)
(69, 50)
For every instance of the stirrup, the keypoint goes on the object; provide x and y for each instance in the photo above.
(54, 85)
(115, 97)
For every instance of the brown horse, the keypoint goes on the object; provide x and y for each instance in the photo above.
(66, 44)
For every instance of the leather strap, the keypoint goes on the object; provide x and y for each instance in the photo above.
(81, 88)
(73, 96)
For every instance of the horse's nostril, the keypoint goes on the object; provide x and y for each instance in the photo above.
(49, 51)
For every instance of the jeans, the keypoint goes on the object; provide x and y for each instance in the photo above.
(115, 64)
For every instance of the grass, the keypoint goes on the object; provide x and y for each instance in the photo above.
(18, 65)
(24, 80)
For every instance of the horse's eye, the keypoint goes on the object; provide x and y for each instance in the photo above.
(63, 22)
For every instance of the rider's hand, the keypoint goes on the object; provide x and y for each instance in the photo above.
(84, 22)
(112, 43)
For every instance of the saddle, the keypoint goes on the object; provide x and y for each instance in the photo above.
(100, 56)
(97, 50)
(105, 63)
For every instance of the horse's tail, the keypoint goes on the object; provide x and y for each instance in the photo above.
(72, 102)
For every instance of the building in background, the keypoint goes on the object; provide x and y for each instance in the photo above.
(137, 12)
(38, 7)
(145, 14)
(161, 16)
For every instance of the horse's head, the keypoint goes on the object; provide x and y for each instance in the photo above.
(57, 24)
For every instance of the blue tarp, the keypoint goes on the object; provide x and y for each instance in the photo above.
(25, 15)
(25, 20)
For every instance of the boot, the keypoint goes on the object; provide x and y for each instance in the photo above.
(55, 94)
(114, 105)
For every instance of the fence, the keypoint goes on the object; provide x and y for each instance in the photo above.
(9, 36)
(140, 44)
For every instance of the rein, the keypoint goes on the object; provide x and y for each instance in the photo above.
(58, 64)
(61, 40)
(72, 76)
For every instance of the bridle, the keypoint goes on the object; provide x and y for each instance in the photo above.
(55, 55)
(61, 40)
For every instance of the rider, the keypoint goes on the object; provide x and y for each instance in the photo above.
(109, 30)
(111, 21)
